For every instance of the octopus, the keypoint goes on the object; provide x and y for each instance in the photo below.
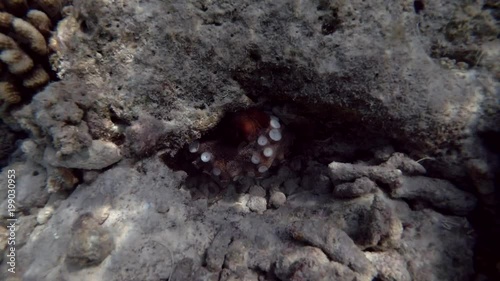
(246, 143)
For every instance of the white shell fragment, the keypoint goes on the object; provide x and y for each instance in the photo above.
(262, 140)
(206, 156)
(262, 169)
(216, 171)
(194, 146)
(275, 134)
(268, 152)
(275, 123)
(255, 159)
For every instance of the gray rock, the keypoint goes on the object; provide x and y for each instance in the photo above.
(381, 229)
(60, 179)
(257, 204)
(448, 242)
(405, 164)
(277, 199)
(90, 176)
(390, 266)
(153, 234)
(316, 178)
(355, 189)
(482, 176)
(257, 190)
(184, 270)
(30, 185)
(245, 183)
(44, 214)
(100, 154)
(4, 236)
(340, 172)
(310, 263)
(334, 242)
(440, 194)
(371, 66)
(90, 243)
(218, 248)
(25, 227)
(383, 153)
(319, 57)
(290, 186)
(236, 258)
(145, 135)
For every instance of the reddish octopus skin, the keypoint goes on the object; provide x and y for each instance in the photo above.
(249, 123)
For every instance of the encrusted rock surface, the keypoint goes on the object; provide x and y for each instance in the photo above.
(229, 240)
(90, 243)
(100, 154)
(335, 243)
(390, 266)
(440, 194)
(212, 54)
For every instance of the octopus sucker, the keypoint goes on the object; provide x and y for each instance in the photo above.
(275, 135)
(262, 140)
(206, 156)
(268, 152)
(275, 123)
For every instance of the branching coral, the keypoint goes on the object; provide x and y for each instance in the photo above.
(246, 143)
(24, 30)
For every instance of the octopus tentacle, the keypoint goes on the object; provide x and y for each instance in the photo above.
(258, 139)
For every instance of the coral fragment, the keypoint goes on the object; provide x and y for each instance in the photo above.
(40, 21)
(8, 93)
(37, 78)
(17, 61)
(29, 34)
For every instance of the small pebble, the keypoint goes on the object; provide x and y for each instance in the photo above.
(277, 199)
(257, 204)
(257, 190)
(44, 214)
(291, 185)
